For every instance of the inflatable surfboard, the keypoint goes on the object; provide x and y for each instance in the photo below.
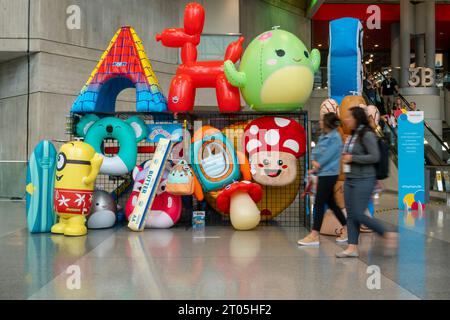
(39, 188)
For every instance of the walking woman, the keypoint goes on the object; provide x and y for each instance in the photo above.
(360, 156)
(326, 157)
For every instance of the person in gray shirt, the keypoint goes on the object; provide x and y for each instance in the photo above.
(360, 155)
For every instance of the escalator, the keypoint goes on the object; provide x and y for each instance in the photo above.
(437, 152)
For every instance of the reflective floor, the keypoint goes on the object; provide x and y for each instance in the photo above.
(221, 263)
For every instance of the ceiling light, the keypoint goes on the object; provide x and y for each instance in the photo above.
(370, 60)
(367, 62)
(376, 46)
(319, 45)
(371, 55)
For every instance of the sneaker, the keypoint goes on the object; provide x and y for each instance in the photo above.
(309, 240)
(343, 237)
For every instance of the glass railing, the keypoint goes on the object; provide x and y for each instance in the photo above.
(437, 152)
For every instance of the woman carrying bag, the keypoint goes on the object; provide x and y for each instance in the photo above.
(360, 155)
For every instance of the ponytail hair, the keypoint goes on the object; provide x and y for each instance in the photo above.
(331, 120)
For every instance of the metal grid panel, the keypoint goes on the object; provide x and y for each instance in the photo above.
(287, 196)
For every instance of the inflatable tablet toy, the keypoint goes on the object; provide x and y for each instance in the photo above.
(327, 106)
(193, 74)
(77, 168)
(345, 68)
(128, 133)
(103, 211)
(276, 72)
(166, 208)
(347, 103)
(274, 144)
(39, 188)
(275, 199)
(215, 161)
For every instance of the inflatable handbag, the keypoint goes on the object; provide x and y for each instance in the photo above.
(181, 180)
(213, 158)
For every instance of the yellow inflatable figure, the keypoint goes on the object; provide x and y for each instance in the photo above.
(76, 170)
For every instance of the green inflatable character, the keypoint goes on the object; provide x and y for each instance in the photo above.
(276, 72)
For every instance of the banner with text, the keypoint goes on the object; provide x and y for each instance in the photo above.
(411, 160)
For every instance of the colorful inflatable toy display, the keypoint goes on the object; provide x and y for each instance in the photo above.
(77, 168)
(166, 208)
(39, 188)
(123, 65)
(193, 74)
(276, 72)
(345, 71)
(274, 144)
(275, 199)
(128, 133)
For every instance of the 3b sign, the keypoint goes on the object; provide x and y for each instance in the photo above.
(421, 77)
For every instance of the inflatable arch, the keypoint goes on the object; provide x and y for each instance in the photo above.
(345, 72)
(123, 65)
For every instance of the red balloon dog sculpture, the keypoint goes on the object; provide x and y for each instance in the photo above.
(193, 74)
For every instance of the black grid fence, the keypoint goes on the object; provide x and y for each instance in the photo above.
(285, 205)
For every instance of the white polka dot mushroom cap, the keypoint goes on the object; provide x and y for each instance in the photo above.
(275, 134)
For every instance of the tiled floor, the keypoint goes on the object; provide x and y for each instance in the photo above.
(222, 263)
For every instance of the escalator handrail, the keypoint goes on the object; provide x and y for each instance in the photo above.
(441, 142)
(408, 106)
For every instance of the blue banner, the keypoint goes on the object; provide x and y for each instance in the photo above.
(411, 160)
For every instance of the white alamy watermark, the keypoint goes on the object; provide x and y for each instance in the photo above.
(73, 281)
(374, 280)
(73, 21)
(374, 19)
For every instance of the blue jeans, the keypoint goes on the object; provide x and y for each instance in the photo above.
(357, 194)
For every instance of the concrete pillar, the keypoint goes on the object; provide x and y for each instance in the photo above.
(405, 42)
(430, 35)
(419, 50)
(395, 50)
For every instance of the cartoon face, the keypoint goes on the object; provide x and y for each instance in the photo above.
(273, 168)
(73, 163)
(279, 72)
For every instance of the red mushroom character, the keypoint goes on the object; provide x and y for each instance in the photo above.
(274, 144)
(239, 200)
